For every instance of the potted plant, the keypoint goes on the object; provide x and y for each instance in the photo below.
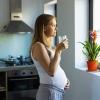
(91, 50)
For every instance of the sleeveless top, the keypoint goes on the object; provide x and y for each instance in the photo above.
(59, 79)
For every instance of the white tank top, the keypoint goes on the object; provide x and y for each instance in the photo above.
(59, 79)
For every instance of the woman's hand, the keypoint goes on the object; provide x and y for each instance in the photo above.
(67, 85)
(65, 42)
(62, 45)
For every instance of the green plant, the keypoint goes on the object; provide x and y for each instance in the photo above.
(90, 48)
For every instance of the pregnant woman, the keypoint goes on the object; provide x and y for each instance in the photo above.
(53, 80)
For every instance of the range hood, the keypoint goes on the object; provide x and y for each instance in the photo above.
(16, 23)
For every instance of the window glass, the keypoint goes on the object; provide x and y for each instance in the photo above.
(96, 15)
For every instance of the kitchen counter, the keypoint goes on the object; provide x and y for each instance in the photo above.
(22, 67)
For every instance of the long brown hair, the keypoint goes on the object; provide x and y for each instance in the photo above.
(40, 23)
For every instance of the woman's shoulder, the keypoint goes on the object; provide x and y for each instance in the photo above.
(38, 48)
(38, 45)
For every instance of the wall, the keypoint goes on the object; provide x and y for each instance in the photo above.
(81, 30)
(45, 1)
(15, 44)
(49, 9)
(30, 10)
(4, 13)
(84, 85)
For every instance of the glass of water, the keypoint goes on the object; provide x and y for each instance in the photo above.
(62, 38)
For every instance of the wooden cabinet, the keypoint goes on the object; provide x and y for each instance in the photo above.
(3, 85)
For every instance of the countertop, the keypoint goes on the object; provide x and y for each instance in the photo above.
(22, 67)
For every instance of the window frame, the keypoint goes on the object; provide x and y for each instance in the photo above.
(90, 15)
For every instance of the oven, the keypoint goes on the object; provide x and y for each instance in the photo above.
(22, 85)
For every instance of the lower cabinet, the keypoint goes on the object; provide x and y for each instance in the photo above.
(3, 86)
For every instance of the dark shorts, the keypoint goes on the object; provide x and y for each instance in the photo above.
(49, 92)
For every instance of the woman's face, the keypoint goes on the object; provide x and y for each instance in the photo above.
(51, 29)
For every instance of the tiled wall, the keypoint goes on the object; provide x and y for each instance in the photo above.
(15, 44)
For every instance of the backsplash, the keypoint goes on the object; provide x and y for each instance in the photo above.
(15, 44)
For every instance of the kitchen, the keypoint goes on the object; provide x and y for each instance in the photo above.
(19, 79)
(67, 12)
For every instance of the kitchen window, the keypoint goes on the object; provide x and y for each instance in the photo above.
(94, 18)
(87, 18)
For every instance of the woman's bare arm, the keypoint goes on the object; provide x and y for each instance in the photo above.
(40, 53)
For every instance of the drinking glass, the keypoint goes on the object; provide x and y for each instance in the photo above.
(62, 38)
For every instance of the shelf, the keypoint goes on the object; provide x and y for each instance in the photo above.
(97, 73)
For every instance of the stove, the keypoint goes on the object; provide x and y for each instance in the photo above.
(20, 60)
(22, 85)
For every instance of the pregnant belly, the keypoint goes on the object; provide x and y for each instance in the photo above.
(60, 79)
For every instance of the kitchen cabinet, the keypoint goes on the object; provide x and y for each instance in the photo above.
(3, 85)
